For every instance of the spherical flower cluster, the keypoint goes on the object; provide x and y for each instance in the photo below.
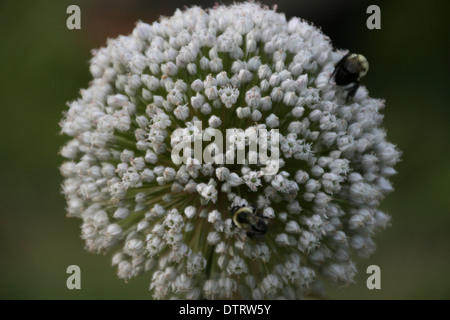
(241, 66)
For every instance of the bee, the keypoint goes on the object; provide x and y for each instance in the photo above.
(245, 217)
(349, 70)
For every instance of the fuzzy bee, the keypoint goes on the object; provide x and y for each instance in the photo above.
(349, 70)
(245, 217)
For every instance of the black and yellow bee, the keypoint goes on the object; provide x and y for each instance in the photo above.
(349, 70)
(246, 218)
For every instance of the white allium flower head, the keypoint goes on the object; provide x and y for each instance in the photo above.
(244, 67)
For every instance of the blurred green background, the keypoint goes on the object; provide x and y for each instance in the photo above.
(43, 65)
